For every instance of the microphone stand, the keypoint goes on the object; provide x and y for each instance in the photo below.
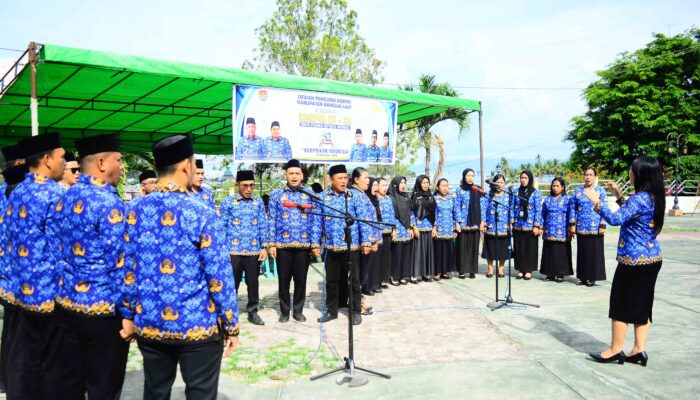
(508, 299)
(349, 366)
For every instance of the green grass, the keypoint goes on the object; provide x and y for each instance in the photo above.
(285, 360)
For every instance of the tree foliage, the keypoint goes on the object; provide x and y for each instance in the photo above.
(318, 38)
(636, 102)
(420, 133)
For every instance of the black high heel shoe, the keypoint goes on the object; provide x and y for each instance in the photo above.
(619, 358)
(639, 358)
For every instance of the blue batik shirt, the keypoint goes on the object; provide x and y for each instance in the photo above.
(333, 228)
(386, 207)
(445, 216)
(245, 225)
(534, 213)
(488, 214)
(91, 218)
(182, 285)
(424, 225)
(555, 218)
(368, 213)
(277, 149)
(461, 203)
(33, 244)
(3, 189)
(205, 195)
(385, 154)
(289, 227)
(4, 265)
(637, 244)
(250, 149)
(373, 153)
(358, 153)
(582, 215)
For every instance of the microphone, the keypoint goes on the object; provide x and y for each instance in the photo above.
(291, 204)
(478, 190)
(488, 182)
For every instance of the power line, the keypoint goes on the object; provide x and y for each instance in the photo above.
(6, 49)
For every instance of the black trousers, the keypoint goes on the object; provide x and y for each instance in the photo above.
(200, 365)
(251, 266)
(337, 275)
(5, 342)
(292, 264)
(35, 357)
(370, 271)
(93, 356)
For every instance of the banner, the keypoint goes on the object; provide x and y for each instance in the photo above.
(273, 125)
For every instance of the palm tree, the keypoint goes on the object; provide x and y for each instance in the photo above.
(424, 126)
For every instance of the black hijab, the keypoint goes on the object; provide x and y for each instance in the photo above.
(474, 214)
(401, 202)
(373, 198)
(423, 202)
(526, 192)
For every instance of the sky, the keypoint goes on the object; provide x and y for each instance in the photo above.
(527, 61)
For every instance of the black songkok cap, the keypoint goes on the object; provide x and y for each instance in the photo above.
(358, 131)
(250, 120)
(199, 163)
(15, 174)
(245, 175)
(34, 145)
(69, 156)
(13, 152)
(293, 163)
(337, 169)
(274, 124)
(386, 134)
(374, 132)
(172, 150)
(97, 144)
(147, 175)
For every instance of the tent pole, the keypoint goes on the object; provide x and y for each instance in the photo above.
(33, 102)
(481, 143)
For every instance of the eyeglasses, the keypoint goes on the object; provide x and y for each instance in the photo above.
(75, 170)
(247, 186)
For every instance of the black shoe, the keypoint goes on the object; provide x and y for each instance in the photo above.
(580, 283)
(284, 318)
(356, 319)
(378, 290)
(395, 283)
(368, 293)
(255, 319)
(489, 275)
(414, 281)
(403, 282)
(299, 317)
(385, 286)
(519, 276)
(527, 278)
(618, 358)
(501, 275)
(446, 276)
(559, 279)
(549, 278)
(639, 358)
(426, 279)
(328, 317)
(471, 276)
(590, 283)
(462, 276)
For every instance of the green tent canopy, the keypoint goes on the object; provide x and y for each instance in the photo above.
(84, 92)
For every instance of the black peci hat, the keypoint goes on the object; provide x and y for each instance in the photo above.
(274, 124)
(15, 174)
(250, 120)
(199, 163)
(245, 175)
(34, 145)
(13, 152)
(97, 144)
(147, 175)
(172, 150)
(358, 131)
(293, 163)
(337, 169)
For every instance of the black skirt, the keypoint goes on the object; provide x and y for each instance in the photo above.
(423, 262)
(590, 258)
(370, 271)
(467, 251)
(385, 258)
(556, 259)
(400, 260)
(443, 249)
(525, 247)
(495, 247)
(632, 293)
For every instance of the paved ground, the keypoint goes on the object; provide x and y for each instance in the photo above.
(438, 340)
